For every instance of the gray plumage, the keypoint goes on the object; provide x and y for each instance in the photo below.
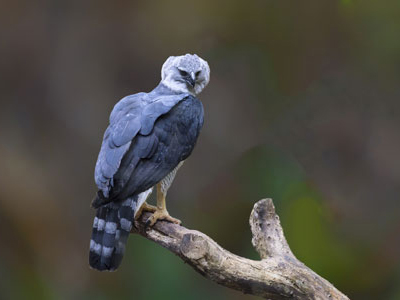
(148, 138)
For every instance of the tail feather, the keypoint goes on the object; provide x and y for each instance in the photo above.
(111, 228)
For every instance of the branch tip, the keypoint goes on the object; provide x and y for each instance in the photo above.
(193, 246)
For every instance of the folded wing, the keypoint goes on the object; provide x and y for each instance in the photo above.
(130, 140)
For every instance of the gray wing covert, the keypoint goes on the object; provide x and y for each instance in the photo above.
(132, 115)
(124, 125)
(151, 157)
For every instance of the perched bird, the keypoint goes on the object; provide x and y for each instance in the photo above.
(148, 138)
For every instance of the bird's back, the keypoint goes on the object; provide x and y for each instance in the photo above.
(151, 157)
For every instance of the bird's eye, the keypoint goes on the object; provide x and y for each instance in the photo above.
(198, 73)
(183, 73)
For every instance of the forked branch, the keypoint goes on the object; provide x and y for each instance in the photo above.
(278, 275)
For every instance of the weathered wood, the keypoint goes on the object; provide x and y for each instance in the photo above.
(278, 275)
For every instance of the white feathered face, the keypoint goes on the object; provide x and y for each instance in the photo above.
(187, 73)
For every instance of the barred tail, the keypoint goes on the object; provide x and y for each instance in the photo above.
(111, 228)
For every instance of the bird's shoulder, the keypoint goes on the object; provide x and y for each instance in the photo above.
(129, 104)
(147, 104)
(190, 111)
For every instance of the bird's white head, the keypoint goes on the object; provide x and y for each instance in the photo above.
(185, 74)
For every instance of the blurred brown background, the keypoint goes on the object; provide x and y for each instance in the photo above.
(303, 107)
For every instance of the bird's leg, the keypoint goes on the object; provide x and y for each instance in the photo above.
(161, 212)
(148, 207)
(145, 207)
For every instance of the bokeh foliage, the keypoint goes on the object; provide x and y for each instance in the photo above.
(303, 107)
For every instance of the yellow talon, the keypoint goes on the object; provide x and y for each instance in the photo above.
(145, 207)
(161, 212)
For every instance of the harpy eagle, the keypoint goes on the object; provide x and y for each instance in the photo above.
(148, 138)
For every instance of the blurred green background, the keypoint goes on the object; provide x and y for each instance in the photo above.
(303, 106)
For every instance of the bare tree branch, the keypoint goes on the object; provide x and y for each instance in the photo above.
(279, 275)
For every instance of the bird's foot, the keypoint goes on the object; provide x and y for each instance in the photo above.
(145, 207)
(161, 214)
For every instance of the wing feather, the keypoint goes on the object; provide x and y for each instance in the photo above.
(151, 157)
(131, 115)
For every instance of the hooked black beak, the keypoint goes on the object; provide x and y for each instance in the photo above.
(191, 79)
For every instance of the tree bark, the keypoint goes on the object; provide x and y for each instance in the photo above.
(278, 275)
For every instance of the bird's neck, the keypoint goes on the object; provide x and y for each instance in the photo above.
(175, 87)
